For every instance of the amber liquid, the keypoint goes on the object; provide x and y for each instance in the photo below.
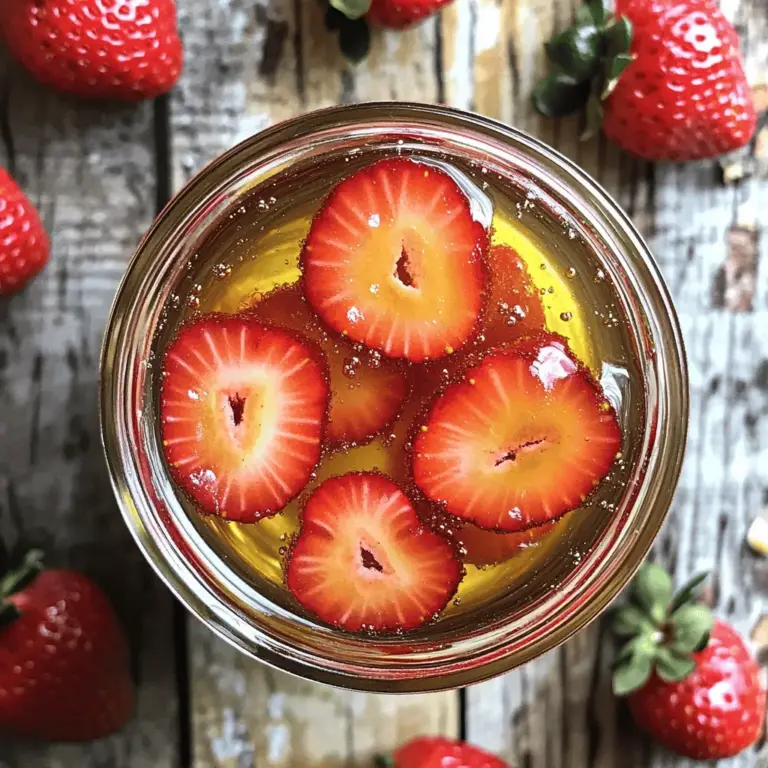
(256, 249)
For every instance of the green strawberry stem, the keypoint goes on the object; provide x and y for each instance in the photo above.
(14, 581)
(664, 630)
(383, 761)
(587, 61)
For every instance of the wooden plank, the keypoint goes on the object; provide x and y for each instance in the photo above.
(558, 712)
(91, 171)
(250, 66)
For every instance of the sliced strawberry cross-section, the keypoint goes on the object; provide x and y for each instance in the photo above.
(367, 390)
(482, 547)
(514, 306)
(364, 561)
(524, 437)
(395, 260)
(242, 412)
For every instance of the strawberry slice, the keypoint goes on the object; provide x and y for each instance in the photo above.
(395, 260)
(364, 560)
(483, 547)
(367, 391)
(521, 439)
(242, 413)
(514, 305)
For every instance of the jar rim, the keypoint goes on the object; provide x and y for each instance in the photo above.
(198, 581)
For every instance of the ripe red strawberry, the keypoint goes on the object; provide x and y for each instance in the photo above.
(363, 559)
(24, 245)
(96, 49)
(394, 259)
(483, 547)
(242, 414)
(692, 683)
(669, 75)
(64, 670)
(440, 752)
(514, 306)
(367, 391)
(519, 440)
(397, 14)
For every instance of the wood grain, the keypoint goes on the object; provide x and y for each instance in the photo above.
(251, 65)
(558, 711)
(91, 171)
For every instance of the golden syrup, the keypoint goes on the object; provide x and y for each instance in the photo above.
(257, 249)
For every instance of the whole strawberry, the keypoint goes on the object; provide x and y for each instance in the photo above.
(691, 682)
(24, 246)
(63, 658)
(439, 752)
(394, 14)
(96, 49)
(664, 77)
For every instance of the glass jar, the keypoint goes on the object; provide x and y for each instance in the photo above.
(206, 583)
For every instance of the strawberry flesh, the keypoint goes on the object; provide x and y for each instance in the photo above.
(514, 306)
(395, 260)
(520, 440)
(364, 561)
(482, 547)
(242, 413)
(367, 390)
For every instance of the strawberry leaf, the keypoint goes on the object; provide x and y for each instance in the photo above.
(630, 621)
(686, 593)
(575, 51)
(352, 9)
(559, 95)
(652, 589)
(672, 667)
(597, 11)
(14, 581)
(631, 675)
(615, 69)
(355, 39)
(691, 625)
(618, 36)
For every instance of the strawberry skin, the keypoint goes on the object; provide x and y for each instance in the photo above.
(440, 752)
(685, 96)
(64, 671)
(96, 49)
(367, 390)
(715, 712)
(397, 14)
(514, 305)
(24, 245)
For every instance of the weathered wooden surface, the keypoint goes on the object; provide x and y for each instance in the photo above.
(250, 64)
(91, 171)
